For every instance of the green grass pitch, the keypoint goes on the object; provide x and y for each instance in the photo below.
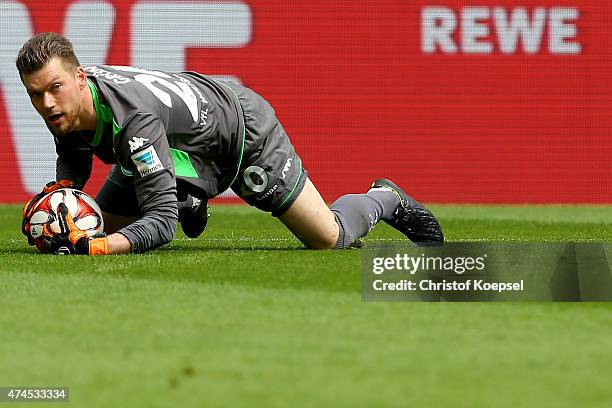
(244, 316)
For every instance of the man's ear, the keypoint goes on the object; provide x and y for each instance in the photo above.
(81, 77)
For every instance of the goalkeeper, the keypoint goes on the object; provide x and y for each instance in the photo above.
(178, 139)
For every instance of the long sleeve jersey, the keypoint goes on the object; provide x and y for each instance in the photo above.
(167, 131)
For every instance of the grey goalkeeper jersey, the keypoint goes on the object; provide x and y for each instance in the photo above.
(167, 131)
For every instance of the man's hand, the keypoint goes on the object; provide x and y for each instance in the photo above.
(56, 185)
(70, 239)
(29, 205)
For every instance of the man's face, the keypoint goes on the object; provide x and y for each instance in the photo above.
(55, 92)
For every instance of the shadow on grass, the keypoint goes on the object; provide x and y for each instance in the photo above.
(19, 250)
(182, 247)
(287, 267)
(230, 248)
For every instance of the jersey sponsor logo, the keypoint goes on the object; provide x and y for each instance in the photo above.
(136, 143)
(267, 194)
(255, 181)
(287, 167)
(147, 161)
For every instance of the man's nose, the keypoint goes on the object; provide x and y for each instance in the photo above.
(48, 101)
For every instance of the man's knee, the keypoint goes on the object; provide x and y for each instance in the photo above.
(310, 220)
(317, 234)
(324, 241)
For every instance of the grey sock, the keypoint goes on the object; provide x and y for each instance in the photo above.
(357, 214)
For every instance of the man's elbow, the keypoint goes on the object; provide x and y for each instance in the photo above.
(167, 233)
(166, 226)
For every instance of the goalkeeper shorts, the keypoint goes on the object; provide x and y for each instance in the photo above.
(270, 178)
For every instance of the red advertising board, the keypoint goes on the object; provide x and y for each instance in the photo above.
(483, 101)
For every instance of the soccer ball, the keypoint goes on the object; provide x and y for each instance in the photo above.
(85, 212)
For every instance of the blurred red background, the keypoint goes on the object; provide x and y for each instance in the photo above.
(361, 99)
